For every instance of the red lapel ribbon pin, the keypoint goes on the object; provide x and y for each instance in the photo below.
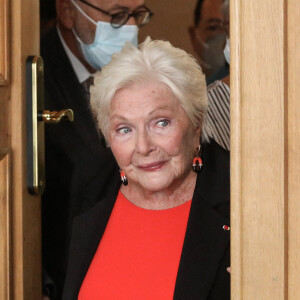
(226, 227)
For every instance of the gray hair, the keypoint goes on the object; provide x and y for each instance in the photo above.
(152, 61)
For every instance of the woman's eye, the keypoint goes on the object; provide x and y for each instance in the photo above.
(163, 123)
(123, 130)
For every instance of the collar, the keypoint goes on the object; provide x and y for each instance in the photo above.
(80, 70)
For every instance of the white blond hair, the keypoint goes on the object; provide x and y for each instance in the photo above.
(152, 61)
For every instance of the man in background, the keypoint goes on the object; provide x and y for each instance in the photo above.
(208, 39)
(217, 123)
(81, 42)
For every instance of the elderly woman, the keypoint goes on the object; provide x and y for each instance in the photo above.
(159, 228)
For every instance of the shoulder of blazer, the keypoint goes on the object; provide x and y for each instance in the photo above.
(89, 226)
(52, 50)
(92, 177)
(215, 177)
(206, 250)
(61, 82)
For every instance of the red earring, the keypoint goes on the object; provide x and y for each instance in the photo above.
(197, 162)
(123, 178)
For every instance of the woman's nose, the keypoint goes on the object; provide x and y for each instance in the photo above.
(143, 142)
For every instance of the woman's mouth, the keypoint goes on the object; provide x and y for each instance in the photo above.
(152, 166)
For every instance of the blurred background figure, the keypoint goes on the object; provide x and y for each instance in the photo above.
(208, 39)
(217, 125)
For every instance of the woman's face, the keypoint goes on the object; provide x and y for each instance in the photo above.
(151, 136)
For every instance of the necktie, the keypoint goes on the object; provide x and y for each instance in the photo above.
(86, 85)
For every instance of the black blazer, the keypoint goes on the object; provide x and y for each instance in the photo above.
(205, 255)
(65, 144)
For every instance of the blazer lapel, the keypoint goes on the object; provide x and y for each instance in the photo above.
(89, 228)
(204, 247)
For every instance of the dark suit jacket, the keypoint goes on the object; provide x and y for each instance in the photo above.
(205, 255)
(65, 144)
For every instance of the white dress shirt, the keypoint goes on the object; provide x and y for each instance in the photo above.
(80, 70)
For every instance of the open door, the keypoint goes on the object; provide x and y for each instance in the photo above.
(20, 212)
(265, 149)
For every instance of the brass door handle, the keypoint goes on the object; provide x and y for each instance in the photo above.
(36, 116)
(56, 116)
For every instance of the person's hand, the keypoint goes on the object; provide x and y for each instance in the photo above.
(229, 270)
(46, 297)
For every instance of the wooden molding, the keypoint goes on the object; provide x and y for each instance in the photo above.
(235, 152)
(293, 175)
(5, 226)
(4, 42)
(258, 144)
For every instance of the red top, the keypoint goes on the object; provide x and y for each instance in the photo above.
(139, 253)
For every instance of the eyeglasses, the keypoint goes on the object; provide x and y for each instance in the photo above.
(142, 16)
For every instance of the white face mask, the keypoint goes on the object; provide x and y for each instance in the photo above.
(212, 52)
(227, 50)
(107, 41)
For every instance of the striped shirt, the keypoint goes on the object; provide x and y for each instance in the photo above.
(217, 123)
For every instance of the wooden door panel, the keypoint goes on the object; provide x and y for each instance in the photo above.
(265, 149)
(5, 167)
(4, 42)
(20, 213)
(5, 225)
(293, 146)
(4, 116)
